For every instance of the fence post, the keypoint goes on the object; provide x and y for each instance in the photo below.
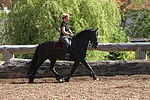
(140, 54)
(6, 55)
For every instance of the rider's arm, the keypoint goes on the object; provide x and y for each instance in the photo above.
(64, 32)
(70, 31)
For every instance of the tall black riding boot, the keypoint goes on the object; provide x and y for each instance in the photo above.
(67, 55)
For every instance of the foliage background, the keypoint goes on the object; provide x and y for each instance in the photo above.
(37, 21)
(140, 26)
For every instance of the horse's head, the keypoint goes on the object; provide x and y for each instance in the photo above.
(87, 35)
(93, 39)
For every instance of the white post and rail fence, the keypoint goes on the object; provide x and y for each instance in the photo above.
(139, 49)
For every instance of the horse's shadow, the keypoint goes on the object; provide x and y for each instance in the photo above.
(56, 82)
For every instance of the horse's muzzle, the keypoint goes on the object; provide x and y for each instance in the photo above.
(94, 46)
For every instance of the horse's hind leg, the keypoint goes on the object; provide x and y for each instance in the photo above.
(90, 69)
(32, 76)
(57, 76)
(72, 71)
(30, 69)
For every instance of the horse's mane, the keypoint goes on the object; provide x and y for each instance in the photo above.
(83, 32)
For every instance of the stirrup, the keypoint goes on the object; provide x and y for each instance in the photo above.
(67, 56)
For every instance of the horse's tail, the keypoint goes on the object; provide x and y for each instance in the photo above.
(34, 61)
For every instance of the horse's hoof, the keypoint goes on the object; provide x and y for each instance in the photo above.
(66, 80)
(60, 80)
(30, 81)
(97, 79)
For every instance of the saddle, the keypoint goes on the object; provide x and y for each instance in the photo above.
(58, 45)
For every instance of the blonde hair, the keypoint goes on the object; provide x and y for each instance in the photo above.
(64, 15)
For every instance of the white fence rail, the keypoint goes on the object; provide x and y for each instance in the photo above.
(139, 48)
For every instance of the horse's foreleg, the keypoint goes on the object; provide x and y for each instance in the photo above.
(90, 69)
(57, 76)
(75, 65)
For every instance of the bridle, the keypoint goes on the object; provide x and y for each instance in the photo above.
(94, 39)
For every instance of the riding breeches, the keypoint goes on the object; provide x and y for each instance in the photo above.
(65, 40)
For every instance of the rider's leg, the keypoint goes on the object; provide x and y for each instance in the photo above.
(66, 41)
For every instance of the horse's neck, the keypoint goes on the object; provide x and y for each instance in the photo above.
(83, 37)
(83, 41)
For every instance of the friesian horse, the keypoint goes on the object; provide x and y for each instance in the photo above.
(77, 52)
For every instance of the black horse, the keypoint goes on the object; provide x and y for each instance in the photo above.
(77, 52)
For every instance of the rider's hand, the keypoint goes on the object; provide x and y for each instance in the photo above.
(71, 35)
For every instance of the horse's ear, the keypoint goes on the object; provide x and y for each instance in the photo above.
(96, 29)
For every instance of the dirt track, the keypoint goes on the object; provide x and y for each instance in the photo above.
(135, 87)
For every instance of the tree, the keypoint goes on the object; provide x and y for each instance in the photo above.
(37, 21)
(136, 19)
(128, 2)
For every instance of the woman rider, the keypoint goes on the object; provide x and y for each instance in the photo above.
(65, 32)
